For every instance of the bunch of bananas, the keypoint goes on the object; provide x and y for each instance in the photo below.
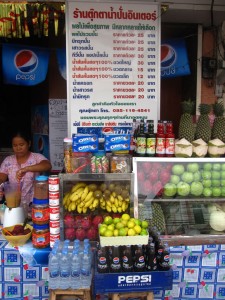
(80, 198)
(115, 203)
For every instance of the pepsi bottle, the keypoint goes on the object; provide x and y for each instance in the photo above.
(164, 261)
(115, 262)
(139, 263)
(102, 260)
(151, 262)
(127, 260)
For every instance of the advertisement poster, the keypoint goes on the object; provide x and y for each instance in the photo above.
(57, 131)
(113, 59)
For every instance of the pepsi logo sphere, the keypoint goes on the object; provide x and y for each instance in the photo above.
(26, 61)
(168, 56)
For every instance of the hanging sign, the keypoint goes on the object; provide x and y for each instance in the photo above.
(113, 61)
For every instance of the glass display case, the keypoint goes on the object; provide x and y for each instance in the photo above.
(86, 198)
(183, 198)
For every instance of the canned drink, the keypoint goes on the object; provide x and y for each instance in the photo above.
(53, 183)
(53, 238)
(54, 227)
(54, 198)
(54, 213)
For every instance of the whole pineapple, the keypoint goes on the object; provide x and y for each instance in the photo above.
(186, 125)
(218, 129)
(203, 127)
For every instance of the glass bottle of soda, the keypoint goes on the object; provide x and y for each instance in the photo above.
(160, 140)
(169, 139)
(115, 262)
(151, 262)
(164, 261)
(150, 139)
(102, 260)
(141, 140)
(127, 260)
(139, 262)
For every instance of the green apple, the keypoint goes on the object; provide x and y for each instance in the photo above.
(178, 169)
(197, 176)
(170, 189)
(192, 167)
(183, 188)
(207, 183)
(215, 183)
(207, 192)
(174, 179)
(130, 224)
(222, 191)
(222, 182)
(137, 229)
(119, 225)
(144, 224)
(222, 174)
(187, 177)
(216, 192)
(196, 188)
(206, 174)
(122, 232)
(108, 220)
(216, 167)
(207, 166)
(131, 232)
(215, 175)
(222, 167)
(108, 233)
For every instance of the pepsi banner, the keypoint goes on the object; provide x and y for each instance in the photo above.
(24, 65)
(61, 59)
(174, 59)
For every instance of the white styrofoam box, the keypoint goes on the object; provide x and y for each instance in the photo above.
(11, 274)
(175, 292)
(207, 274)
(206, 292)
(124, 240)
(44, 273)
(211, 248)
(12, 291)
(177, 248)
(190, 291)
(191, 274)
(192, 260)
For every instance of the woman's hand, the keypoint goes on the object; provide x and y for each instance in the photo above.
(19, 174)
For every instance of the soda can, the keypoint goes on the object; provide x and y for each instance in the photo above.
(54, 213)
(53, 183)
(54, 198)
(54, 227)
(53, 238)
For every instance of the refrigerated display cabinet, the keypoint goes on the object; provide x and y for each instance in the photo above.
(183, 198)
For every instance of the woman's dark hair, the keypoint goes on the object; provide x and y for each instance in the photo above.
(23, 134)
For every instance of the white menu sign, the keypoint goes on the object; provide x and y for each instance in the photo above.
(113, 63)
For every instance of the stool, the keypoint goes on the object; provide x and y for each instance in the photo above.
(84, 294)
(149, 295)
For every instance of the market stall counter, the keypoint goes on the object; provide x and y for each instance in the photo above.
(23, 272)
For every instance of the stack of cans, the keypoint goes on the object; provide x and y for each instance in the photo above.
(54, 209)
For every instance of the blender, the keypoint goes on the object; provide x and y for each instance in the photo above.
(14, 213)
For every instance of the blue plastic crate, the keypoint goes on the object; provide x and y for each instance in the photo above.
(135, 281)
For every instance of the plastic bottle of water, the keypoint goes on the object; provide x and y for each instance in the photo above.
(64, 269)
(86, 270)
(53, 267)
(75, 278)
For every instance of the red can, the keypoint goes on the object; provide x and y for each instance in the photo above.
(53, 238)
(54, 213)
(53, 183)
(54, 227)
(54, 198)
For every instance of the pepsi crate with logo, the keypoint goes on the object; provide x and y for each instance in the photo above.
(133, 281)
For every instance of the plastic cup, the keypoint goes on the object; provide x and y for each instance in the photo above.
(12, 194)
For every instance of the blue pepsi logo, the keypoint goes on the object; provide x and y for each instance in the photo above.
(141, 259)
(102, 260)
(116, 260)
(26, 61)
(168, 56)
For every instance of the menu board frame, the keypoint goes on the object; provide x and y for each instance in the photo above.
(113, 64)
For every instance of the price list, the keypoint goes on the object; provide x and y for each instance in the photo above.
(112, 63)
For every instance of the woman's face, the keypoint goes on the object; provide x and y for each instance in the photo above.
(20, 146)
